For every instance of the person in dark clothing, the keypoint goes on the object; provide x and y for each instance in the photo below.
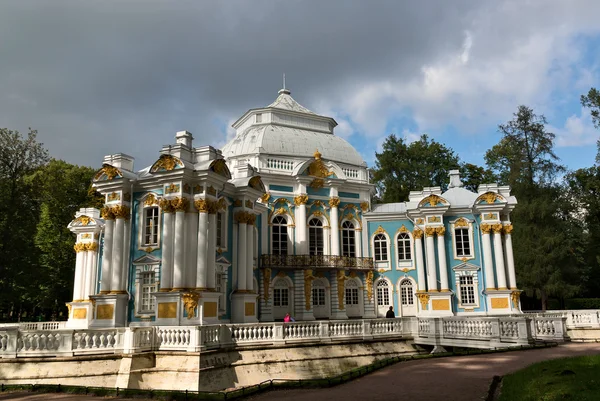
(390, 313)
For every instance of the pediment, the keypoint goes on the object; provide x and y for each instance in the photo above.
(466, 267)
(146, 260)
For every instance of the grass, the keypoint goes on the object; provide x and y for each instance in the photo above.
(560, 379)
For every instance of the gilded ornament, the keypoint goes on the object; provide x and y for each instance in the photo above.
(490, 216)
(201, 205)
(462, 222)
(508, 229)
(121, 212)
(433, 200)
(266, 282)
(317, 168)
(109, 171)
(515, 296)
(281, 274)
(430, 231)
(279, 211)
(149, 249)
(318, 213)
(198, 189)
(369, 284)
(166, 206)
(352, 274)
(497, 228)
(334, 202)
(317, 203)
(364, 206)
(317, 183)
(222, 204)
(489, 197)
(379, 230)
(211, 191)
(420, 221)
(91, 246)
(256, 183)
(127, 197)
(418, 233)
(220, 167)
(249, 204)
(68, 308)
(423, 298)
(79, 247)
(186, 188)
(300, 200)
(107, 213)
(308, 278)
(166, 162)
(213, 207)
(440, 231)
(150, 200)
(403, 229)
(172, 188)
(464, 260)
(405, 270)
(190, 302)
(84, 220)
(237, 203)
(486, 228)
(434, 219)
(85, 236)
(265, 197)
(341, 278)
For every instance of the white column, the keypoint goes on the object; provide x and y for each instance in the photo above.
(178, 251)
(166, 280)
(242, 255)
(357, 243)
(487, 257)
(83, 276)
(249, 257)
(418, 236)
(211, 266)
(431, 268)
(264, 233)
(441, 248)
(79, 267)
(202, 249)
(192, 249)
(126, 253)
(499, 256)
(335, 228)
(89, 260)
(107, 257)
(326, 241)
(93, 263)
(510, 261)
(301, 240)
(117, 257)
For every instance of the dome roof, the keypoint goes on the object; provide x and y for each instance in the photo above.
(286, 128)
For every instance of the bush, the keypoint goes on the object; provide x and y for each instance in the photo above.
(582, 303)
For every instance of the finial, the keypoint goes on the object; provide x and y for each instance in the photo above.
(317, 155)
(284, 80)
(284, 90)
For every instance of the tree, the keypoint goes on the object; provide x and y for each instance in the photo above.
(473, 175)
(401, 167)
(19, 157)
(592, 101)
(548, 239)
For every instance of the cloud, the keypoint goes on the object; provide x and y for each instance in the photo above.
(578, 130)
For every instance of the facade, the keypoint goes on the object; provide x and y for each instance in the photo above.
(280, 221)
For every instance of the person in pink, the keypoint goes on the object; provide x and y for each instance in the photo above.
(287, 318)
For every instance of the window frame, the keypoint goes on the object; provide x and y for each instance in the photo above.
(317, 228)
(141, 232)
(404, 264)
(469, 228)
(352, 246)
(381, 264)
(410, 295)
(467, 269)
(142, 269)
(387, 296)
(223, 213)
(287, 234)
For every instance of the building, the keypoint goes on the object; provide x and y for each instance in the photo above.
(280, 221)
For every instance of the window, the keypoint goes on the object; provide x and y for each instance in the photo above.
(151, 226)
(318, 296)
(404, 248)
(348, 239)
(259, 117)
(380, 247)
(462, 242)
(351, 293)
(220, 230)
(147, 287)
(467, 290)
(279, 236)
(315, 237)
(383, 293)
(406, 292)
(280, 297)
(220, 287)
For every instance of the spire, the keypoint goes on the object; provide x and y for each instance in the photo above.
(284, 90)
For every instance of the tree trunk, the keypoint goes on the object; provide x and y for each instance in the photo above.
(544, 297)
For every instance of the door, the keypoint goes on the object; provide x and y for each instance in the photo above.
(353, 295)
(407, 298)
(320, 300)
(282, 300)
(383, 298)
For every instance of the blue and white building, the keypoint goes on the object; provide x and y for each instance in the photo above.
(280, 221)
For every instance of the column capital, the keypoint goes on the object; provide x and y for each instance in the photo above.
(497, 228)
(121, 212)
(334, 201)
(486, 228)
(107, 213)
(245, 218)
(418, 233)
(430, 231)
(201, 205)
(440, 231)
(507, 229)
(166, 206)
(364, 206)
(301, 200)
(79, 247)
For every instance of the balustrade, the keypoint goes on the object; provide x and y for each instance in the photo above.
(316, 262)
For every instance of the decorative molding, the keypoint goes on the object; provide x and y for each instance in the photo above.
(109, 171)
(486, 228)
(266, 282)
(433, 200)
(507, 229)
(172, 188)
(440, 231)
(190, 302)
(497, 228)
(462, 222)
(308, 279)
(265, 198)
(300, 200)
(430, 231)
(418, 233)
(341, 278)
(369, 284)
(364, 206)
(334, 202)
(489, 198)
(423, 299)
(150, 200)
(166, 162)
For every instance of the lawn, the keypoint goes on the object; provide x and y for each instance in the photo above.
(559, 379)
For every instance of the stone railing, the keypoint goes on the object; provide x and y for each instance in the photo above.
(576, 319)
(316, 262)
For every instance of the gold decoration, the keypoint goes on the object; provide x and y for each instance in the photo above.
(497, 228)
(79, 313)
(281, 274)
(167, 162)
(317, 183)
(317, 168)
(186, 188)
(418, 233)
(213, 207)
(352, 274)
(440, 231)
(198, 189)
(222, 204)
(105, 312)
(433, 200)
(462, 222)
(115, 196)
(219, 166)
(149, 249)
(256, 183)
(68, 309)
(490, 216)
(379, 230)
(423, 298)
(110, 172)
(464, 260)
(486, 228)
(405, 270)
(508, 229)
(211, 191)
(266, 282)
(403, 229)
(434, 219)
(265, 197)
(107, 213)
(440, 304)
(91, 246)
(86, 236)
(430, 231)
(201, 205)
(249, 308)
(190, 302)
(180, 204)
(84, 220)
(420, 221)
(166, 206)
(127, 197)
(300, 200)
(249, 204)
(171, 188)
(167, 310)
(121, 212)
(364, 206)
(210, 309)
(150, 200)
(334, 202)
(245, 218)
(79, 247)
(369, 284)
(515, 297)
(281, 210)
(499, 303)
(341, 278)
(308, 278)
(488, 197)
(237, 203)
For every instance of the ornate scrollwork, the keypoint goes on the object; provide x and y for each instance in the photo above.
(150, 200)
(219, 166)
(79, 247)
(317, 168)
(114, 196)
(201, 205)
(417, 233)
(341, 278)
(180, 204)
(462, 222)
(266, 282)
(440, 231)
(364, 206)
(171, 189)
(515, 297)
(265, 198)
(245, 218)
(486, 228)
(507, 229)
(91, 246)
(423, 299)
(166, 206)
(433, 200)
(222, 204)
(403, 229)
(317, 183)
(109, 171)
(186, 188)
(166, 162)
(121, 212)
(84, 220)
(308, 278)
(369, 284)
(249, 204)
(107, 213)
(430, 231)
(488, 197)
(300, 200)
(497, 228)
(212, 206)
(190, 302)
(379, 230)
(334, 202)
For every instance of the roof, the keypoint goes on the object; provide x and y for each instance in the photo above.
(389, 208)
(286, 101)
(459, 196)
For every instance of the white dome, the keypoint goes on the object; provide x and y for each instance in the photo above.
(286, 128)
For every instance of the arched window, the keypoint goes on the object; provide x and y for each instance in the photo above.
(315, 237)
(351, 292)
(348, 239)
(406, 292)
(279, 236)
(404, 249)
(383, 293)
(380, 248)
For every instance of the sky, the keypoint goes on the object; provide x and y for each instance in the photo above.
(103, 77)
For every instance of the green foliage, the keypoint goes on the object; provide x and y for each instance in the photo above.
(401, 167)
(592, 101)
(582, 303)
(472, 176)
(559, 379)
